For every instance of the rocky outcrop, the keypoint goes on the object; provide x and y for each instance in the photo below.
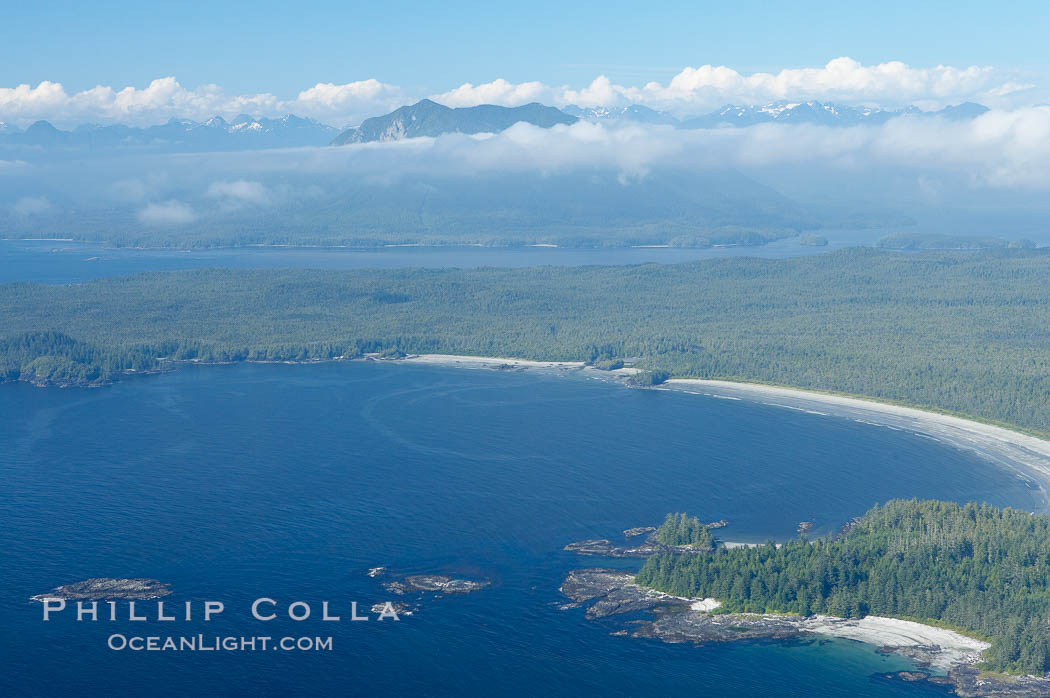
(105, 588)
(435, 583)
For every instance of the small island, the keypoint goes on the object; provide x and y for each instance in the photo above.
(960, 589)
(434, 583)
(813, 240)
(678, 533)
(105, 588)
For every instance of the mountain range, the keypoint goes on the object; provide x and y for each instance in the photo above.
(820, 113)
(425, 118)
(428, 118)
(177, 135)
(635, 112)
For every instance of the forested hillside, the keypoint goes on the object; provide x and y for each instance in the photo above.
(383, 204)
(965, 332)
(975, 567)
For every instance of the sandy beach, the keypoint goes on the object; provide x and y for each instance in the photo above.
(486, 361)
(1026, 456)
(954, 648)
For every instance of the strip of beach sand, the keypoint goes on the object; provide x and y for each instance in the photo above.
(952, 648)
(487, 361)
(1027, 456)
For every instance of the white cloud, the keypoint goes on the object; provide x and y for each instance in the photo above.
(239, 192)
(29, 205)
(691, 91)
(132, 189)
(496, 92)
(348, 103)
(842, 79)
(165, 98)
(999, 149)
(709, 87)
(167, 213)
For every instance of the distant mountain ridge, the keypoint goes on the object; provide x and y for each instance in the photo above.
(635, 112)
(821, 113)
(177, 135)
(425, 118)
(428, 118)
(731, 115)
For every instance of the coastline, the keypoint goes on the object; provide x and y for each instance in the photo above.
(490, 362)
(1027, 456)
(904, 636)
(608, 593)
(942, 656)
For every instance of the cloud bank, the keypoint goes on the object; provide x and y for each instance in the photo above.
(691, 91)
(239, 192)
(30, 205)
(708, 87)
(999, 160)
(167, 213)
(165, 98)
(999, 149)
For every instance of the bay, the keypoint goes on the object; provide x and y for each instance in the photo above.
(290, 482)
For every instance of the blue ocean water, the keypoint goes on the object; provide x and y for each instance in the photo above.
(60, 262)
(237, 482)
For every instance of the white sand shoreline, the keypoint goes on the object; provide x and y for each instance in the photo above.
(1027, 457)
(953, 648)
(486, 361)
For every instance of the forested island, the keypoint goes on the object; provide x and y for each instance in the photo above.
(943, 241)
(959, 332)
(976, 568)
(682, 529)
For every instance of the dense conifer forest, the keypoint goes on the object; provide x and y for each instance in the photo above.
(682, 529)
(974, 567)
(963, 332)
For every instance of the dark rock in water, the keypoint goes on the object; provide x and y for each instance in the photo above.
(435, 582)
(597, 546)
(584, 585)
(612, 592)
(396, 587)
(848, 526)
(104, 588)
(615, 592)
(970, 683)
(699, 627)
(400, 609)
(804, 527)
(650, 546)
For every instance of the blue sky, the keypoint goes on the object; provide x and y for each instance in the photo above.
(283, 47)
(342, 62)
